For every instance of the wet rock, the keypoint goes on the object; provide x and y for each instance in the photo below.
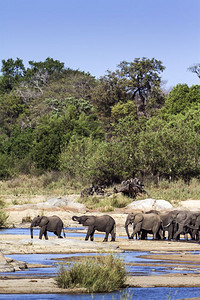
(17, 264)
(10, 265)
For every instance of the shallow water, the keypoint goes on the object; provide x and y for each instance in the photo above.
(133, 293)
(55, 260)
(26, 231)
(128, 257)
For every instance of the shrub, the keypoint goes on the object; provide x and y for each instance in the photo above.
(102, 274)
(3, 218)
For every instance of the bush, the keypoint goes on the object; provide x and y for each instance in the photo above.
(102, 274)
(3, 218)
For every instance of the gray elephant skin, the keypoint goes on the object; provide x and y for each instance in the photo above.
(145, 223)
(186, 222)
(168, 221)
(196, 228)
(53, 224)
(103, 223)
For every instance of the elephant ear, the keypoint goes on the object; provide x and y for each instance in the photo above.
(43, 221)
(88, 221)
(138, 218)
(131, 218)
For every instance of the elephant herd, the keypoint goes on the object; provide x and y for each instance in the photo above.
(176, 223)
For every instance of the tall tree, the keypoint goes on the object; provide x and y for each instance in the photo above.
(13, 72)
(50, 66)
(195, 69)
(138, 81)
(142, 81)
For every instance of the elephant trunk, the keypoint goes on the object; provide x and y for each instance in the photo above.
(75, 218)
(31, 229)
(192, 227)
(126, 228)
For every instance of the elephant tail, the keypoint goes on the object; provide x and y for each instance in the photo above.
(75, 218)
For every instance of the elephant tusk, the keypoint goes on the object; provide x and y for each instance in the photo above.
(167, 225)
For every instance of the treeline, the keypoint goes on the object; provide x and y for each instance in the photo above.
(102, 130)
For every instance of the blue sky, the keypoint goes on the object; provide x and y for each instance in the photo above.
(95, 36)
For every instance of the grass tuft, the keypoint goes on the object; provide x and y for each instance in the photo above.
(102, 274)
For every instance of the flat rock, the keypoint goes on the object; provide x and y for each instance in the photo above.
(69, 203)
(149, 203)
(10, 265)
(53, 245)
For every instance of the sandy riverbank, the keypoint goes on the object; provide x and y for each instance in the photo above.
(179, 253)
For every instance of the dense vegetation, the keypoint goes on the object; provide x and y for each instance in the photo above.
(102, 130)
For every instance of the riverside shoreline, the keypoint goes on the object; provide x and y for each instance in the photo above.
(179, 252)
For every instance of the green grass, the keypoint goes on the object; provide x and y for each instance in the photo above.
(174, 191)
(50, 183)
(106, 203)
(56, 184)
(100, 274)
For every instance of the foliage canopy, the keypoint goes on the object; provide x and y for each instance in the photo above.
(97, 130)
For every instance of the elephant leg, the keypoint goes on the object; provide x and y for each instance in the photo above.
(112, 235)
(164, 238)
(160, 235)
(58, 233)
(106, 236)
(92, 235)
(170, 233)
(137, 229)
(142, 235)
(194, 234)
(178, 232)
(89, 232)
(43, 231)
(186, 236)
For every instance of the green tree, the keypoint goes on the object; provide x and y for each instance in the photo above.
(107, 93)
(141, 80)
(170, 148)
(121, 110)
(12, 109)
(47, 143)
(50, 66)
(180, 99)
(13, 72)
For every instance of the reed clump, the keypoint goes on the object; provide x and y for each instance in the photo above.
(100, 274)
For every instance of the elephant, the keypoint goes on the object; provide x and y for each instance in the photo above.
(103, 223)
(184, 222)
(196, 228)
(167, 218)
(53, 224)
(144, 222)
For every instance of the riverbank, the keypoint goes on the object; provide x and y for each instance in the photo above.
(177, 252)
(48, 285)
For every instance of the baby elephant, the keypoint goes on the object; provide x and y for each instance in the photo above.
(103, 223)
(53, 224)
